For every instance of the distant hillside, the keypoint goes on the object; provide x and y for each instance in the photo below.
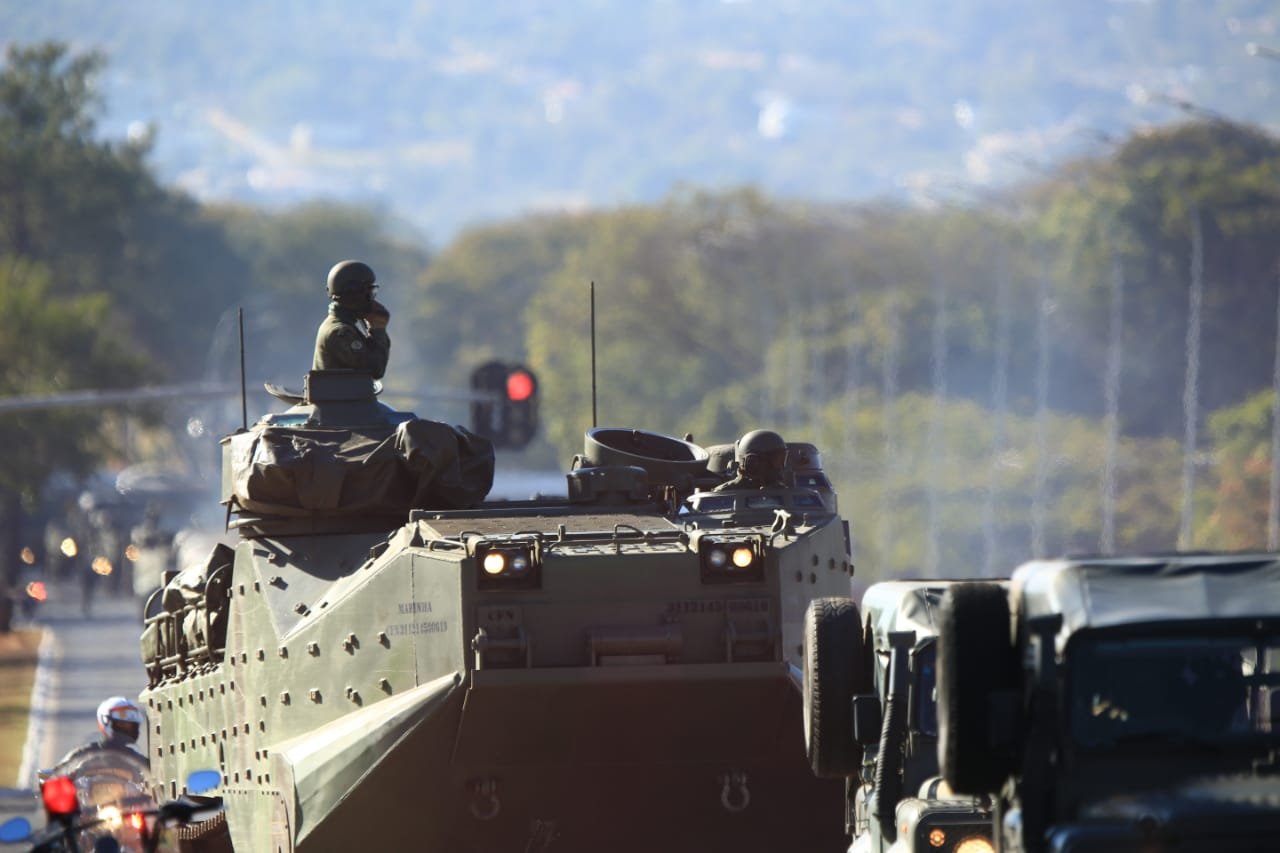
(450, 113)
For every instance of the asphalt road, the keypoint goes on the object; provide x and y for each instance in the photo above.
(87, 660)
(83, 661)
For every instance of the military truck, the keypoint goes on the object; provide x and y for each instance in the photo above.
(871, 720)
(383, 656)
(1118, 703)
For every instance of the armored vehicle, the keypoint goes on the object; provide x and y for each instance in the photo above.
(871, 720)
(1118, 703)
(383, 656)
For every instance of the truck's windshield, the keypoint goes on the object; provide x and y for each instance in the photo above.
(1180, 691)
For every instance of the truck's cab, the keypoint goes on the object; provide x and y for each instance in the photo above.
(1119, 704)
(871, 719)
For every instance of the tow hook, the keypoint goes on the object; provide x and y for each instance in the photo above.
(734, 795)
(485, 804)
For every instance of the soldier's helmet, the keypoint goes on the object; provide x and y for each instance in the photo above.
(119, 719)
(761, 453)
(351, 280)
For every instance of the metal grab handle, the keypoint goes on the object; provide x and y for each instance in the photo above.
(483, 643)
(664, 640)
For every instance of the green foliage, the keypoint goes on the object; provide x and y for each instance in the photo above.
(94, 215)
(49, 344)
(287, 255)
(112, 280)
(911, 344)
(1133, 213)
(1241, 475)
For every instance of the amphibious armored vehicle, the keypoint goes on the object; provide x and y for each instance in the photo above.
(1120, 703)
(872, 720)
(383, 656)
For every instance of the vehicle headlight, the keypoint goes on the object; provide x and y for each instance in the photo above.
(506, 566)
(974, 844)
(945, 827)
(494, 563)
(730, 561)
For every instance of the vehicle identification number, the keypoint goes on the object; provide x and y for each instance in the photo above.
(405, 629)
(736, 605)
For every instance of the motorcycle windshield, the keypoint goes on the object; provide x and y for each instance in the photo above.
(114, 789)
(109, 777)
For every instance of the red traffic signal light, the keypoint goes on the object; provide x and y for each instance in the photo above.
(505, 408)
(520, 385)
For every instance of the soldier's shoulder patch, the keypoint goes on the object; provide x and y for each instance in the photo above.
(357, 345)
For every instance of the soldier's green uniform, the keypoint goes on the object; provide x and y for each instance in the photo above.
(354, 335)
(341, 344)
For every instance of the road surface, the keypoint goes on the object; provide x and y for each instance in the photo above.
(88, 659)
(83, 661)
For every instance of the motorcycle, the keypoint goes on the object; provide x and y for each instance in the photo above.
(101, 800)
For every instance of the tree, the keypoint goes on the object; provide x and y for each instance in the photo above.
(91, 211)
(48, 344)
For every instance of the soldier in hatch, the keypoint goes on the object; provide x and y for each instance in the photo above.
(761, 455)
(354, 335)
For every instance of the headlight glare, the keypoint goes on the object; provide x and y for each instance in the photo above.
(495, 562)
(974, 844)
(731, 559)
(508, 565)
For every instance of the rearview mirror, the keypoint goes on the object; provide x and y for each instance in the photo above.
(866, 719)
(14, 830)
(203, 780)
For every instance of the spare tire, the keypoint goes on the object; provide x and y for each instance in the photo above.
(976, 659)
(834, 670)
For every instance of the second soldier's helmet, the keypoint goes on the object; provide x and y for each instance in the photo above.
(120, 719)
(761, 453)
(351, 280)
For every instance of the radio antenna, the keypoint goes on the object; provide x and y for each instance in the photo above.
(244, 401)
(593, 355)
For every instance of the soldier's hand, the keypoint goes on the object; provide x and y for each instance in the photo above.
(378, 316)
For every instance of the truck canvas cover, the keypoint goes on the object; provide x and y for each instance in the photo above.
(1115, 592)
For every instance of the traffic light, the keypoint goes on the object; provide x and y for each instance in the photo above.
(505, 408)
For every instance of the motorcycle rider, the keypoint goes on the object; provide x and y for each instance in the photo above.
(120, 723)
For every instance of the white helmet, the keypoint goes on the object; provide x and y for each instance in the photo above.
(120, 718)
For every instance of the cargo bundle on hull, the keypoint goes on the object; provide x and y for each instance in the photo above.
(616, 670)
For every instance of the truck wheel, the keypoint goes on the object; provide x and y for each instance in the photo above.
(976, 658)
(834, 671)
